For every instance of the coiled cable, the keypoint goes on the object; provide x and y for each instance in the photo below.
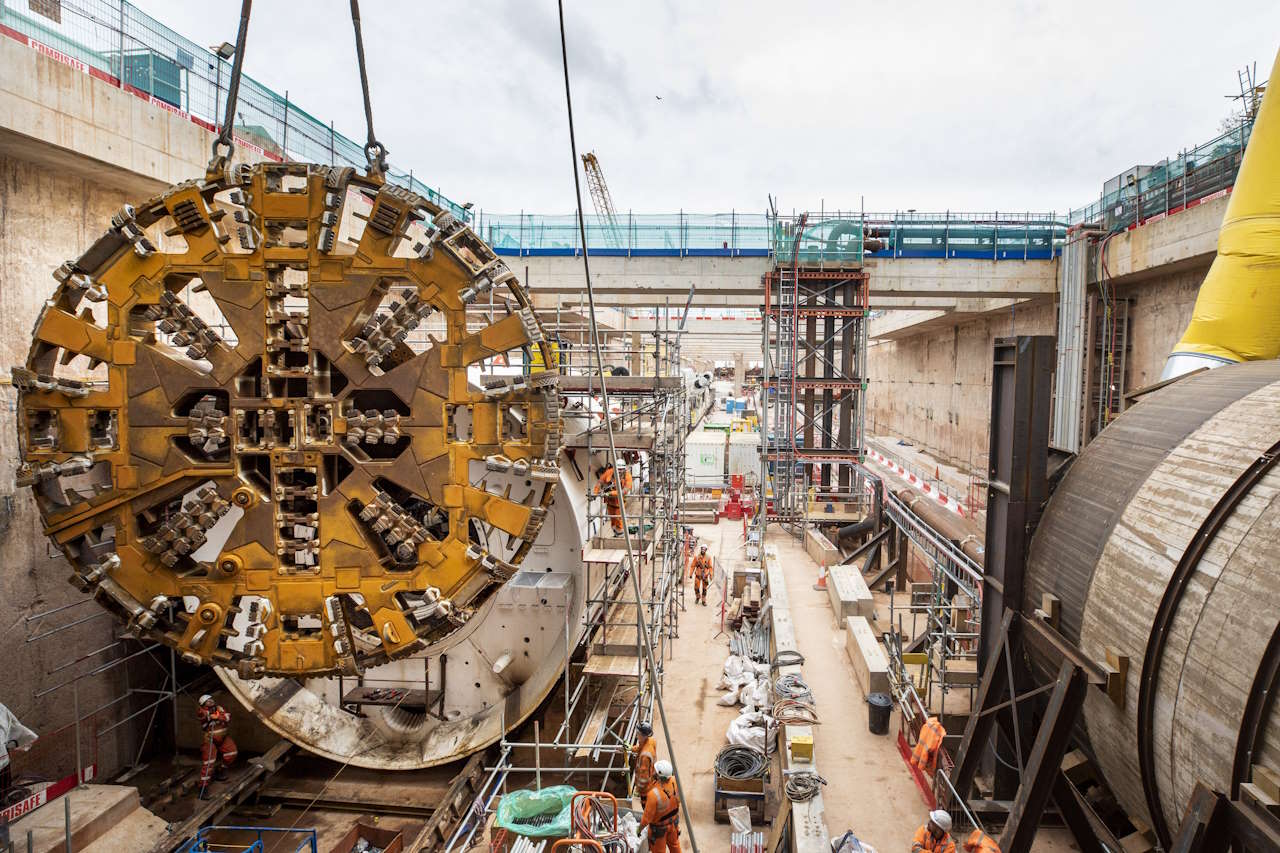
(803, 785)
(796, 712)
(786, 657)
(792, 686)
(741, 762)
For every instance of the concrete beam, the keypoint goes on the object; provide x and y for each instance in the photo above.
(898, 325)
(736, 281)
(712, 300)
(1187, 239)
(933, 277)
(647, 280)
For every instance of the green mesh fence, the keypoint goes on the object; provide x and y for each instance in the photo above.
(120, 41)
(1172, 184)
(834, 239)
(665, 233)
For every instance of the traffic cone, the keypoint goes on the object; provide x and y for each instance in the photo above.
(821, 585)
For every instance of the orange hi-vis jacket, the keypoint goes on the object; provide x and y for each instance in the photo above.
(661, 807)
(924, 842)
(661, 818)
(605, 483)
(702, 568)
(925, 756)
(646, 755)
(979, 842)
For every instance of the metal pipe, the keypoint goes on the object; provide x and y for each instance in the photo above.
(958, 529)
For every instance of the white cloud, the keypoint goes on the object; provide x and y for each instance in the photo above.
(910, 104)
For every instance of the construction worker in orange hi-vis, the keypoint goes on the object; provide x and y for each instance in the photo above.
(606, 486)
(661, 817)
(979, 842)
(216, 724)
(645, 752)
(702, 571)
(935, 835)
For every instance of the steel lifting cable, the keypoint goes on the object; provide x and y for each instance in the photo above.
(740, 762)
(226, 134)
(642, 609)
(803, 785)
(374, 151)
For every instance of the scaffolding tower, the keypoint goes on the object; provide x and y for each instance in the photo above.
(814, 381)
(608, 688)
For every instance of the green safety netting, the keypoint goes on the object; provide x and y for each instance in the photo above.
(537, 814)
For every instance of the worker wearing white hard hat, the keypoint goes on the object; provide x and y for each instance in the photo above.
(935, 835)
(661, 818)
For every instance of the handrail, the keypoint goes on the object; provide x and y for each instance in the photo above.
(837, 235)
(953, 562)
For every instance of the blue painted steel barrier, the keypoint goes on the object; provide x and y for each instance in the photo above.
(201, 843)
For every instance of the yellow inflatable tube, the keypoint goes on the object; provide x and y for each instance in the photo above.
(1237, 313)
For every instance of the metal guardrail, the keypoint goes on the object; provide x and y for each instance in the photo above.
(953, 562)
(117, 43)
(936, 485)
(278, 836)
(1195, 175)
(831, 236)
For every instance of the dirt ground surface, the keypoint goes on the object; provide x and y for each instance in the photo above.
(869, 788)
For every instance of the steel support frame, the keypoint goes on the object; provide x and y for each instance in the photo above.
(1214, 823)
(999, 694)
(1017, 487)
(1021, 388)
(822, 323)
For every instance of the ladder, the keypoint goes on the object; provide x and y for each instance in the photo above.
(788, 490)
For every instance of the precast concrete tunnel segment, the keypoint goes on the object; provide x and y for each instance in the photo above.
(1161, 543)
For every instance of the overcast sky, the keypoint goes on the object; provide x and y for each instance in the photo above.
(710, 106)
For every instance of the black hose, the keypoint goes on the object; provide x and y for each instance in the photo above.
(741, 762)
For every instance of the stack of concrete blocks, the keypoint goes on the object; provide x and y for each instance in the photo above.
(854, 608)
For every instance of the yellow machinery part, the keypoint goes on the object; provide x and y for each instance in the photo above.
(1237, 312)
(250, 419)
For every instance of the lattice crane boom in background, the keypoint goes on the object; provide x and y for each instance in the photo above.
(602, 200)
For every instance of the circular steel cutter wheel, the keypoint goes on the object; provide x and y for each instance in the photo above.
(255, 420)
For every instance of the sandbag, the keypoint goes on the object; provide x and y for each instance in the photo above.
(755, 730)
